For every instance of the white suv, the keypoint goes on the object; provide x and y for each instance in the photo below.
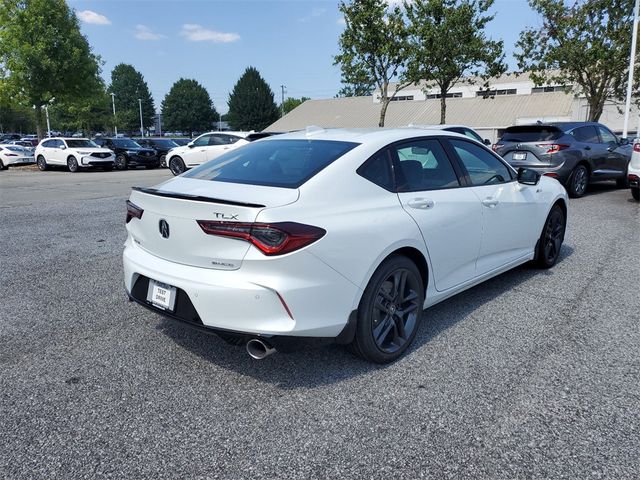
(633, 171)
(75, 153)
(204, 148)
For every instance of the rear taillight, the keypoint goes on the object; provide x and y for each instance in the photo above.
(496, 146)
(269, 238)
(636, 147)
(553, 147)
(133, 211)
(633, 177)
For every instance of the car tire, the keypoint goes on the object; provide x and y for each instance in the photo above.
(176, 165)
(163, 161)
(3, 166)
(72, 164)
(390, 311)
(121, 162)
(635, 193)
(578, 181)
(551, 238)
(42, 163)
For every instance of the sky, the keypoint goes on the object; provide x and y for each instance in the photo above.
(290, 42)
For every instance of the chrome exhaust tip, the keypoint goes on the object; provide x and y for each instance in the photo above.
(258, 349)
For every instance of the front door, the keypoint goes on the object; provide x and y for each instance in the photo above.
(448, 214)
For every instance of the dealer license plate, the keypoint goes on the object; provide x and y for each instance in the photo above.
(161, 295)
(520, 156)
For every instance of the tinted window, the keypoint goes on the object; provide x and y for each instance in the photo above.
(587, 134)
(80, 144)
(466, 132)
(202, 141)
(424, 165)
(483, 167)
(607, 136)
(163, 143)
(531, 133)
(378, 170)
(124, 143)
(277, 163)
(48, 143)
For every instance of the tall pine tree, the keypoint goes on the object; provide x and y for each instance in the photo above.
(128, 85)
(251, 103)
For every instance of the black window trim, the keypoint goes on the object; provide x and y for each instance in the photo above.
(452, 152)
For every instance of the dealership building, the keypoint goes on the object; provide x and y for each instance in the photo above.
(512, 99)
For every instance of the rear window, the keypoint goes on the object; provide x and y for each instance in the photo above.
(276, 163)
(531, 133)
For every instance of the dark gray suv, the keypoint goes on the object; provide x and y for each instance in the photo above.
(576, 153)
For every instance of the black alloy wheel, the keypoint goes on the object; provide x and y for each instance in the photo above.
(578, 181)
(390, 311)
(163, 161)
(72, 164)
(176, 165)
(42, 163)
(121, 162)
(551, 239)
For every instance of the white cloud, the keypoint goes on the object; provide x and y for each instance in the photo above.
(89, 16)
(197, 33)
(145, 33)
(316, 12)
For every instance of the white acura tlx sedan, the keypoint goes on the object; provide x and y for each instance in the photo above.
(339, 235)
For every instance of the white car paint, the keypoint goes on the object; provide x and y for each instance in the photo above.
(11, 154)
(466, 234)
(633, 171)
(57, 151)
(207, 147)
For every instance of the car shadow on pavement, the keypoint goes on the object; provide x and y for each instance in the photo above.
(330, 364)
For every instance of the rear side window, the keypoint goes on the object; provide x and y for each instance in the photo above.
(378, 170)
(531, 133)
(423, 165)
(275, 163)
(587, 134)
(483, 167)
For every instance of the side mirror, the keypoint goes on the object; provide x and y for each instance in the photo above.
(487, 142)
(624, 141)
(526, 176)
(190, 145)
(63, 147)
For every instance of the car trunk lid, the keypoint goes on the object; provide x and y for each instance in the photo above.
(530, 145)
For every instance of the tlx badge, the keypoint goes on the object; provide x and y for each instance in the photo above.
(225, 216)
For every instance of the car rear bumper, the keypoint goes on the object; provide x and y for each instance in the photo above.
(20, 161)
(300, 296)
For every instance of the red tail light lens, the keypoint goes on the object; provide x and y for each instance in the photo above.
(633, 177)
(133, 211)
(553, 147)
(636, 147)
(270, 238)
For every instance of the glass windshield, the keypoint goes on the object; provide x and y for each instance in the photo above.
(125, 143)
(277, 163)
(81, 143)
(531, 133)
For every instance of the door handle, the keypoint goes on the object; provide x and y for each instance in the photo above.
(587, 147)
(421, 203)
(490, 202)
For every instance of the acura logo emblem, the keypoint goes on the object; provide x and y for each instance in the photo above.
(163, 226)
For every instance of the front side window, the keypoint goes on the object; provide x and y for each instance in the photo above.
(202, 141)
(48, 143)
(276, 163)
(483, 167)
(423, 165)
(607, 136)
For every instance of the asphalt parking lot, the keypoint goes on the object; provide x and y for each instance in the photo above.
(534, 374)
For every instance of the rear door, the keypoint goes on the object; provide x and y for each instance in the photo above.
(589, 144)
(448, 214)
(511, 212)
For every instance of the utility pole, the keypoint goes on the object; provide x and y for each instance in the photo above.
(141, 124)
(46, 111)
(113, 104)
(282, 87)
(632, 64)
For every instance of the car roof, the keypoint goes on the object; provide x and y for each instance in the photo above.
(361, 135)
(564, 126)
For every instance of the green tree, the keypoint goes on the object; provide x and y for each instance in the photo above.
(355, 90)
(88, 115)
(128, 85)
(374, 48)
(448, 41)
(291, 103)
(16, 118)
(584, 43)
(251, 104)
(188, 107)
(43, 55)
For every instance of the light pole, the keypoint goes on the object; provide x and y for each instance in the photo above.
(282, 87)
(632, 64)
(46, 111)
(141, 124)
(113, 104)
